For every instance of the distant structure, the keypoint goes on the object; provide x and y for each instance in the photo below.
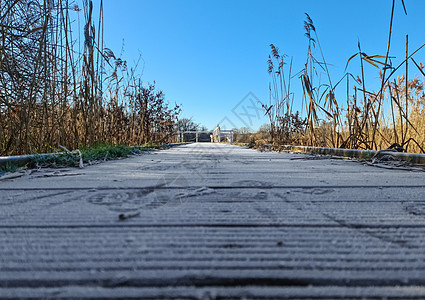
(181, 135)
(219, 135)
(216, 136)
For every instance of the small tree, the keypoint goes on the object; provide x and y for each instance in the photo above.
(187, 124)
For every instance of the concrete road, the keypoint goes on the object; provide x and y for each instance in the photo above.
(207, 221)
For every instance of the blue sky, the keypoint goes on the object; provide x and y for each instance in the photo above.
(211, 56)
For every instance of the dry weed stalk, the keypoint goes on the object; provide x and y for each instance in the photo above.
(392, 117)
(52, 93)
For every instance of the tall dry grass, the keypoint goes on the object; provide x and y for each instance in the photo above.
(61, 87)
(391, 117)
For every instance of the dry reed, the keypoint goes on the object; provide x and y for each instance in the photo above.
(54, 93)
(392, 117)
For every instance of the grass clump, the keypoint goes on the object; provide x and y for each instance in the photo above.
(106, 151)
(90, 155)
(8, 168)
(56, 160)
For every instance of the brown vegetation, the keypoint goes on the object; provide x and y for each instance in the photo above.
(52, 93)
(392, 117)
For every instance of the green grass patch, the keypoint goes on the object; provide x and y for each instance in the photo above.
(91, 155)
(103, 152)
(8, 167)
